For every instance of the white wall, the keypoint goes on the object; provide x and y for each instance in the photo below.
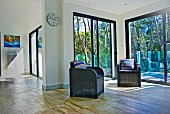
(14, 19)
(35, 20)
(138, 12)
(19, 17)
(3, 55)
(35, 14)
(68, 9)
(52, 46)
(17, 65)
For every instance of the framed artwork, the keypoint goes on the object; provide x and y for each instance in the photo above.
(11, 41)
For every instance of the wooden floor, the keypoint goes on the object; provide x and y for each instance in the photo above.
(25, 96)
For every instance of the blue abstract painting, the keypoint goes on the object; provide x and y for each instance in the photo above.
(11, 41)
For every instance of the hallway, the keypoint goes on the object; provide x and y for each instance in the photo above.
(24, 95)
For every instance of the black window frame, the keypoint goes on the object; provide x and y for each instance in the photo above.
(114, 40)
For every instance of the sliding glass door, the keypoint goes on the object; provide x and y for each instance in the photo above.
(93, 41)
(147, 43)
(35, 52)
(148, 38)
(105, 48)
(33, 49)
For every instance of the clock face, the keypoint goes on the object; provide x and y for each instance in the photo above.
(52, 19)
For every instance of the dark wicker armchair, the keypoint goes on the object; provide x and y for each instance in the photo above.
(129, 78)
(87, 82)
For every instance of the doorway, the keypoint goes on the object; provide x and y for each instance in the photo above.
(35, 52)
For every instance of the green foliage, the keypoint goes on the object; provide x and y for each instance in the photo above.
(85, 37)
(148, 33)
(78, 44)
(105, 57)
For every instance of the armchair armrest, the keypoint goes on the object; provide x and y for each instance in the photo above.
(97, 69)
(138, 67)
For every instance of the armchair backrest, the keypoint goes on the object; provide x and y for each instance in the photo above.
(128, 64)
(72, 65)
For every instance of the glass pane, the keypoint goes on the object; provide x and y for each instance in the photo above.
(82, 37)
(33, 53)
(168, 25)
(168, 45)
(95, 43)
(168, 62)
(147, 46)
(40, 51)
(114, 75)
(104, 34)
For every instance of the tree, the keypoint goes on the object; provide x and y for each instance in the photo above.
(147, 35)
(82, 38)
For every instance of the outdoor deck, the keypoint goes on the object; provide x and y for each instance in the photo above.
(155, 76)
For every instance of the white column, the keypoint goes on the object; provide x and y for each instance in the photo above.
(52, 47)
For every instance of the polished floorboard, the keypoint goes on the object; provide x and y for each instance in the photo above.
(24, 95)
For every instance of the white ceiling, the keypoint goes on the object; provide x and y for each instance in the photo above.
(114, 6)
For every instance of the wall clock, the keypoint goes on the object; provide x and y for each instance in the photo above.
(53, 19)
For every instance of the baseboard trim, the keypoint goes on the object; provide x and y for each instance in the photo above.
(25, 73)
(53, 87)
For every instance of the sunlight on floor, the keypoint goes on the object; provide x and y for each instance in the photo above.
(3, 79)
(112, 85)
(26, 76)
(13, 76)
